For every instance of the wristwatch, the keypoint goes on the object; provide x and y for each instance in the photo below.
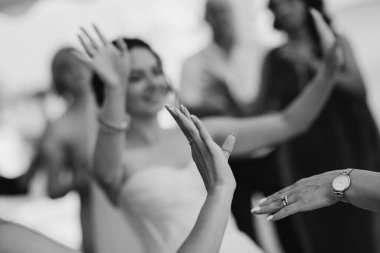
(342, 182)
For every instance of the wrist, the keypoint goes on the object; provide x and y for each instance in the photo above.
(222, 190)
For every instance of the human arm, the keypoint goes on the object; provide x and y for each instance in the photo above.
(111, 64)
(17, 238)
(270, 129)
(60, 179)
(316, 192)
(211, 161)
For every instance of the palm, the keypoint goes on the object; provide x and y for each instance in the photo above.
(111, 66)
(111, 63)
(211, 160)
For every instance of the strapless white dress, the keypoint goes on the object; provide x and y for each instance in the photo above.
(164, 203)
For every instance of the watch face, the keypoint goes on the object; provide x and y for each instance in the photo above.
(341, 183)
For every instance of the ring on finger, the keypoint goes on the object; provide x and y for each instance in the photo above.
(285, 200)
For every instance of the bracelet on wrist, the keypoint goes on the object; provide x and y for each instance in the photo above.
(108, 126)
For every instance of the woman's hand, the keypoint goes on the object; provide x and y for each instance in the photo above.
(111, 63)
(333, 55)
(305, 195)
(211, 160)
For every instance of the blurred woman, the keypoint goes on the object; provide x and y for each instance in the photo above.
(345, 134)
(67, 146)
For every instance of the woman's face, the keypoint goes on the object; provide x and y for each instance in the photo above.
(147, 88)
(290, 15)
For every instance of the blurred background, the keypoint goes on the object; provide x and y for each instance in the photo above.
(33, 31)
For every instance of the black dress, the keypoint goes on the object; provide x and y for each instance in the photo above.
(344, 136)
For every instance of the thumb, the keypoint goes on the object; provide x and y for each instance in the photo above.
(229, 145)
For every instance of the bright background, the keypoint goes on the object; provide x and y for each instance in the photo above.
(32, 33)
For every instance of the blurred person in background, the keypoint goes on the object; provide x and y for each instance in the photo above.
(217, 81)
(345, 134)
(214, 81)
(67, 154)
(67, 144)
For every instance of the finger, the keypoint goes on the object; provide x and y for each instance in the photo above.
(203, 133)
(185, 112)
(175, 115)
(285, 212)
(89, 37)
(100, 35)
(275, 206)
(268, 200)
(82, 58)
(89, 50)
(324, 30)
(229, 145)
(122, 46)
(188, 124)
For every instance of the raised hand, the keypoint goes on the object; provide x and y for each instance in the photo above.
(305, 195)
(326, 34)
(211, 160)
(111, 63)
(330, 47)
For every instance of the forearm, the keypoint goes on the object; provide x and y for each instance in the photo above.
(302, 112)
(208, 232)
(16, 238)
(271, 129)
(364, 191)
(110, 144)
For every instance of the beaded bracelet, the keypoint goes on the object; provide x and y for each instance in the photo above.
(113, 127)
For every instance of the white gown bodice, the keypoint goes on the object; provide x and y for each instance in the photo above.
(164, 203)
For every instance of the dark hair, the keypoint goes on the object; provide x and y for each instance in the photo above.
(97, 83)
(320, 7)
(58, 86)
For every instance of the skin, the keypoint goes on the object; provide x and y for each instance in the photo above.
(316, 192)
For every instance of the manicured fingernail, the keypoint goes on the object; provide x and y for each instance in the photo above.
(269, 218)
(262, 200)
(255, 209)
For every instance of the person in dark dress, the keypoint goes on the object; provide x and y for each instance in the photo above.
(344, 136)
(210, 83)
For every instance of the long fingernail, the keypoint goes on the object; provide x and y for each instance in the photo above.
(262, 200)
(255, 209)
(269, 218)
